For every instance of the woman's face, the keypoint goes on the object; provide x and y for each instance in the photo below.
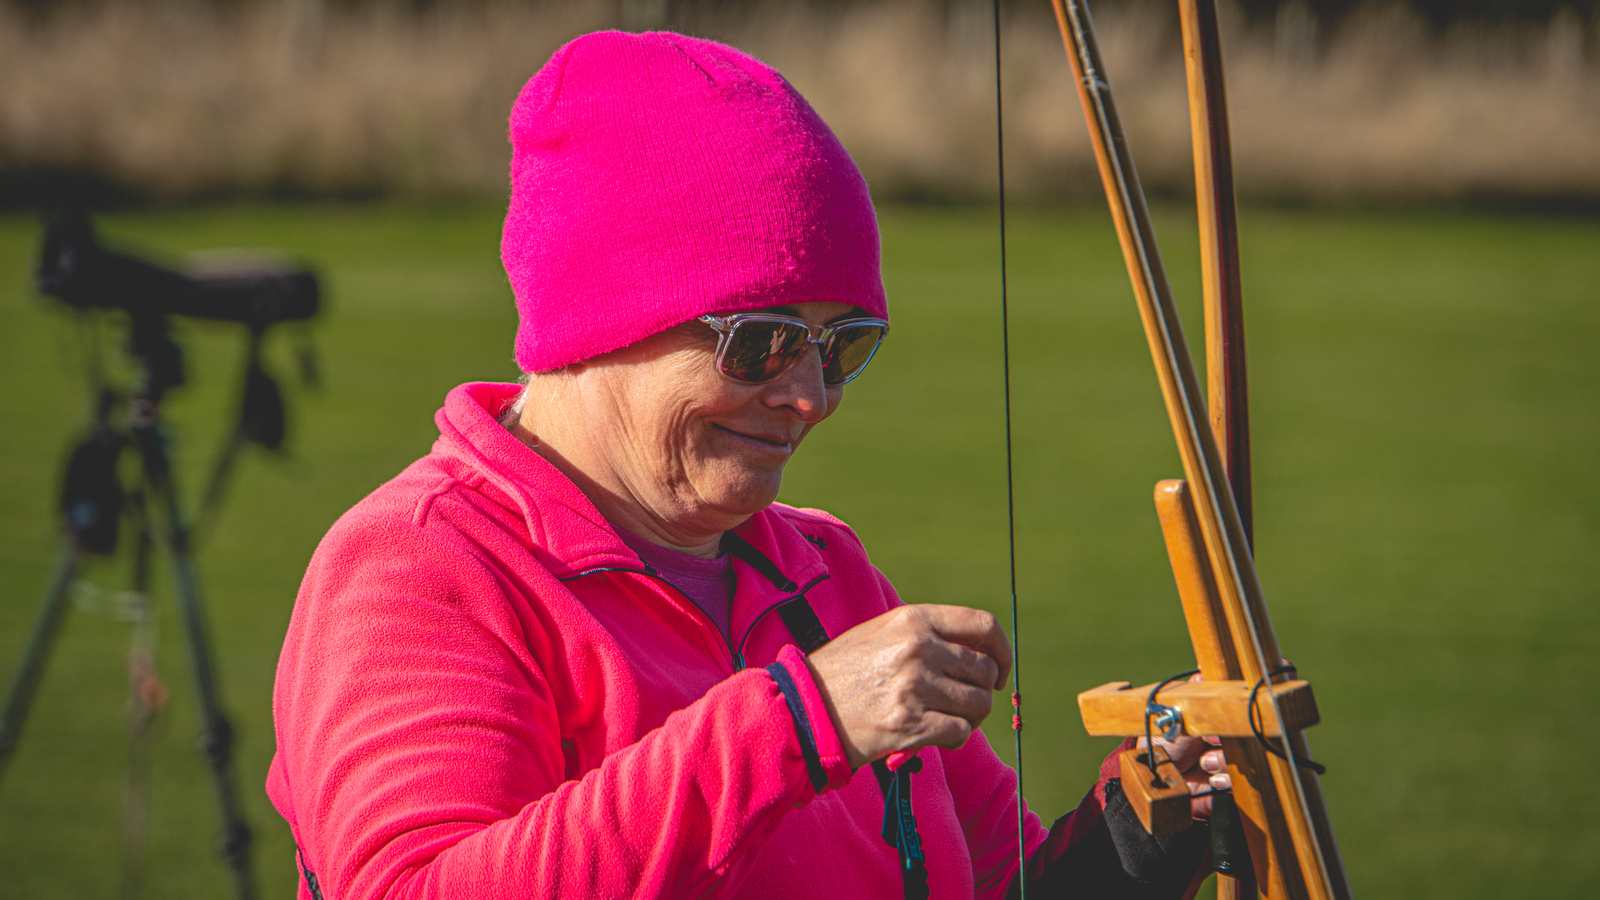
(698, 451)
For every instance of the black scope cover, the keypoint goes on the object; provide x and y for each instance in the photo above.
(75, 269)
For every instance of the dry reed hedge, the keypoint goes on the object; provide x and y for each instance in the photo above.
(177, 99)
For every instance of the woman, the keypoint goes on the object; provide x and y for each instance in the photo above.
(566, 653)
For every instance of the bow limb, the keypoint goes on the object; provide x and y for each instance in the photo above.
(1227, 384)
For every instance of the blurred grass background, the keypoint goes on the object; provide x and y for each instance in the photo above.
(1426, 428)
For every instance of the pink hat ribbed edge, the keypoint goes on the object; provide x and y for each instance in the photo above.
(656, 178)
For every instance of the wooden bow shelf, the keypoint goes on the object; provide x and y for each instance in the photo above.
(1220, 708)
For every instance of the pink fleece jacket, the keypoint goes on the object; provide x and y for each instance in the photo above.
(483, 694)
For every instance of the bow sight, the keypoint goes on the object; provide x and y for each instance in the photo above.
(77, 270)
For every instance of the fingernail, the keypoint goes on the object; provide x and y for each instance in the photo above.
(1221, 782)
(1212, 761)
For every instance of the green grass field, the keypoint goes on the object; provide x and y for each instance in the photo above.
(1427, 421)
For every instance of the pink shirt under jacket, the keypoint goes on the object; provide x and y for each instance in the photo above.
(482, 695)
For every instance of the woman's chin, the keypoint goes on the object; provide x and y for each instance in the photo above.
(742, 496)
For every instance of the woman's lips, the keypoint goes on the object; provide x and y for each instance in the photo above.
(769, 442)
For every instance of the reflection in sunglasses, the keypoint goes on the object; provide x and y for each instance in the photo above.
(757, 348)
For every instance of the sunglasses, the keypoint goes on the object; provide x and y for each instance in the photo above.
(758, 347)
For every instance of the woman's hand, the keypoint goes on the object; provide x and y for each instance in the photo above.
(916, 676)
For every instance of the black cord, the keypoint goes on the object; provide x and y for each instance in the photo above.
(1255, 726)
(1149, 736)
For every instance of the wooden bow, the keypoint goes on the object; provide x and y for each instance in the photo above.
(1206, 518)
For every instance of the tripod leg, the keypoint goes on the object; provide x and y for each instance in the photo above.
(25, 680)
(216, 734)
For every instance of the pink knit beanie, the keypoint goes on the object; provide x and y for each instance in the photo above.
(656, 178)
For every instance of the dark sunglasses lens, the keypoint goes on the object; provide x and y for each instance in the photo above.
(849, 352)
(760, 351)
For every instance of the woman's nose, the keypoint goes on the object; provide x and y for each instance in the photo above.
(801, 389)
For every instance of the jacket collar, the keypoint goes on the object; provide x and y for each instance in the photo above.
(565, 531)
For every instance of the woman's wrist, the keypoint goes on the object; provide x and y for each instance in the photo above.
(811, 712)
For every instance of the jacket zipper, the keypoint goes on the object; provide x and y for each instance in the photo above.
(738, 655)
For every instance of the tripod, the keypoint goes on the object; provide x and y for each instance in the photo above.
(77, 270)
(161, 520)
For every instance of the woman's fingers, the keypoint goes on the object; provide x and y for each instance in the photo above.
(1184, 752)
(1210, 776)
(963, 664)
(1204, 768)
(982, 643)
(943, 730)
(959, 698)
